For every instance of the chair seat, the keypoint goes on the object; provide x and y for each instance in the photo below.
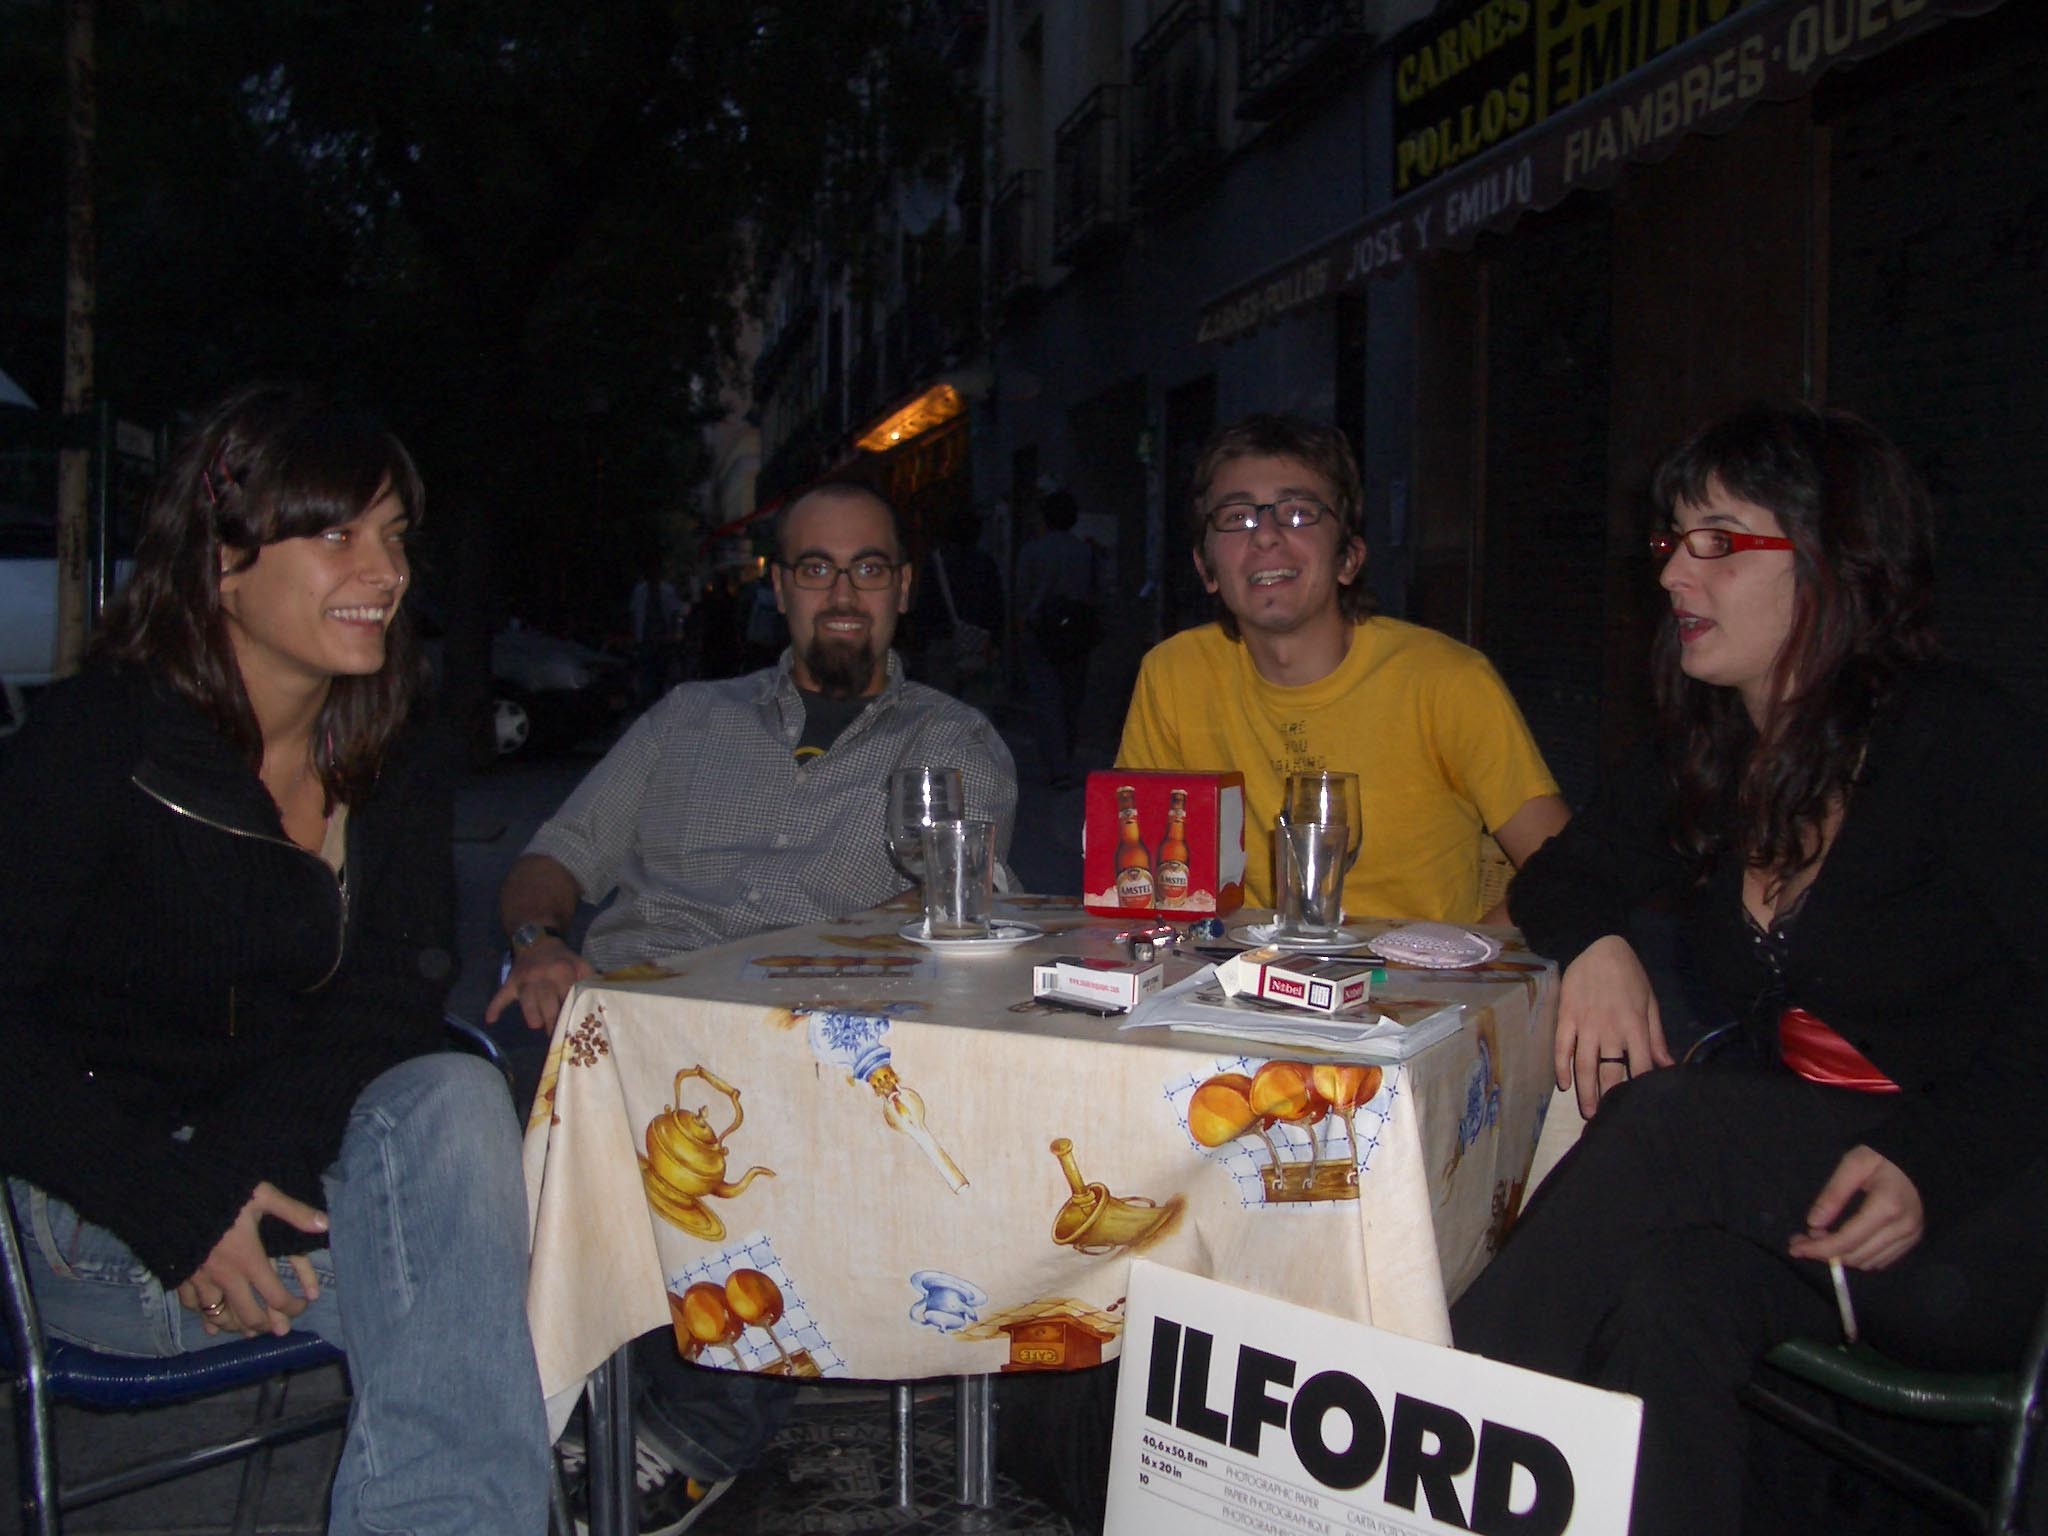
(97, 1380)
(1864, 1376)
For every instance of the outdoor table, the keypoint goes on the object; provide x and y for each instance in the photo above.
(830, 1152)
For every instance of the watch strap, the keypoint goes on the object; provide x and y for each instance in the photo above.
(526, 935)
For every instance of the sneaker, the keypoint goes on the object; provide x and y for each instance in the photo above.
(670, 1499)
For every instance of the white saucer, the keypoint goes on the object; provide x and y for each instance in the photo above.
(1342, 941)
(1002, 934)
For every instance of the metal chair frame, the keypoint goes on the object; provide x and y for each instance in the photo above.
(47, 1372)
(2017, 1401)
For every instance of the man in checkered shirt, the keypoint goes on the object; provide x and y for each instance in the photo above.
(750, 804)
(737, 807)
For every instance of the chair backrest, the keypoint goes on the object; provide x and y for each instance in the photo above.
(1496, 872)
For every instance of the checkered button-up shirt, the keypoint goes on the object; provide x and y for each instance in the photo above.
(708, 829)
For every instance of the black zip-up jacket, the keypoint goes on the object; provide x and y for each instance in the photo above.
(1923, 939)
(193, 1002)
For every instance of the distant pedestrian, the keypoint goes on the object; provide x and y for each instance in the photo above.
(657, 616)
(764, 631)
(1059, 627)
(959, 611)
(717, 626)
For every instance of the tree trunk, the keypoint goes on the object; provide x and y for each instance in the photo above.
(74, 466)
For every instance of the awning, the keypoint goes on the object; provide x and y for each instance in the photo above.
(1770, 50)
(742, 524)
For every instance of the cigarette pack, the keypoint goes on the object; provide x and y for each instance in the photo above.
(1105, 983)
(1299, 981)
(1165, 844)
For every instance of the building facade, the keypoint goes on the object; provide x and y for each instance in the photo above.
(1516, 249)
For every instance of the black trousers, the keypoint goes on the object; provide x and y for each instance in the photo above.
(1653, 1262)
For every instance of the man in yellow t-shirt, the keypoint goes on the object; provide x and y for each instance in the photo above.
(1299, 674)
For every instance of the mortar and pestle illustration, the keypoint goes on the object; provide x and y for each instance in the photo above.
(1094, 1221)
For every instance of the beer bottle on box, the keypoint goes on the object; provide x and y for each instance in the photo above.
(1133, 863)
(1172, 869)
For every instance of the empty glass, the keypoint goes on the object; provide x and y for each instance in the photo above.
(1322, 798)
(917, 798)
(959, 878)
(1309, 860)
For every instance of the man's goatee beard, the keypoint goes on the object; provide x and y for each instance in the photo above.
(842, 669)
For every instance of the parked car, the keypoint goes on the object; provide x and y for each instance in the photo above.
(551, 692)
(564, 691)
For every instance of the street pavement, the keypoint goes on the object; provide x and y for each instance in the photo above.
(497, 810)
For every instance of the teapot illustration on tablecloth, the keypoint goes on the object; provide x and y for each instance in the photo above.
(685, 1162)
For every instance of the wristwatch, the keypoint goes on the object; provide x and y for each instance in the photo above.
(526, 935)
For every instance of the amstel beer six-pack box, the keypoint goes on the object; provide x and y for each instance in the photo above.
(1163, 844)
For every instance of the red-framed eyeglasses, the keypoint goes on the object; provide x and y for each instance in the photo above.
(1712, 543)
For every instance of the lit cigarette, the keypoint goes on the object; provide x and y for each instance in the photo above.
(1841, 1278)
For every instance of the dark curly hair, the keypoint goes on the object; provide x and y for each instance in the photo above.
(1323, 449)
(270, 462)
(1862, 612)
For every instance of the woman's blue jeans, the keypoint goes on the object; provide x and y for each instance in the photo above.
(423, 1283)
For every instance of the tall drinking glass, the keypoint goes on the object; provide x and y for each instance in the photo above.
(1325, 799)
(1308, 892)
(917, 798)
(959, 879)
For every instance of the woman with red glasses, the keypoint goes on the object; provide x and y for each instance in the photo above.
(1851, 831)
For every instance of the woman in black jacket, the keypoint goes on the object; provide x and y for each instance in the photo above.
(1852, 831)
(226, 876)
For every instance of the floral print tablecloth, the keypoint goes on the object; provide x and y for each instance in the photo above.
(831, 1152)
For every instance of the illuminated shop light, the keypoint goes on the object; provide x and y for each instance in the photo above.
(934, 408)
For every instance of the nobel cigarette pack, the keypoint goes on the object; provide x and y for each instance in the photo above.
(1163, 844)
(1106, 983)
(1298, 981)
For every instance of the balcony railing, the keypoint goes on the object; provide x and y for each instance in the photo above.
(1173, 87)
(1013, 269)
(1089, 210)
(1294, 48)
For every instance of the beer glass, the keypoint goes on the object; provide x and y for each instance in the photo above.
(959, 878)
(917, 798)
(1308, 878)
(1325, 799)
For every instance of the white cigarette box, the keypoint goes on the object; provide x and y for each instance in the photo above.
(1108, 983)
(1299, 981)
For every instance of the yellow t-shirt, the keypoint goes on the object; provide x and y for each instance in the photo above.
(1428, 726)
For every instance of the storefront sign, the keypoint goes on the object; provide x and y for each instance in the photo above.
(1486, 71)
(1239, 1413)
(1557, 95)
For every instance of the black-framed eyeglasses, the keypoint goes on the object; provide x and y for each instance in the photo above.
(1712, 543)
(869, 573)
(1246, 516)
